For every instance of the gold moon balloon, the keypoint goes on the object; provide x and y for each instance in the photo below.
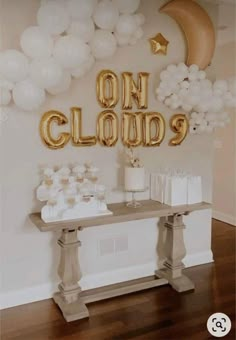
(197, 27)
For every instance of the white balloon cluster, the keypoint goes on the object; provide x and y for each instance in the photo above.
(187, 88)
(70, 36)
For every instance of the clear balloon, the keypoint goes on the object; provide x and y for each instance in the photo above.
(53, 18)
(106, 15)
(28, 96)
(70, 51)
(81, 9)
(127, 6)
(14, 65)
(83, 29)
(46, 72)
(62, 86)
(103, 44)
(36, 43)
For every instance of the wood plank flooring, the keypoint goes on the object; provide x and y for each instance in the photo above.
(158, 313)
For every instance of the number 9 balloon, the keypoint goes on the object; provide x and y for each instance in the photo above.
(179, 125)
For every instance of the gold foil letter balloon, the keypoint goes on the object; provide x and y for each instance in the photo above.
(179, 125)
(76, 129)
(132, 128)
(107, 128)
(107, 89)
(138, 93)
(45, 129)
(154, 120)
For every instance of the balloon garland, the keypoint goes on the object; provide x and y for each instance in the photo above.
(188, 89)
(71, 35)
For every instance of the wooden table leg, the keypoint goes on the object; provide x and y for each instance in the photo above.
(68, 297)
(175, 252)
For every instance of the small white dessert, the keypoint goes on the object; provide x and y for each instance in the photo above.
(134, 179)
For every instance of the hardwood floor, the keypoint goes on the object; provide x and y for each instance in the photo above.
(159, 313)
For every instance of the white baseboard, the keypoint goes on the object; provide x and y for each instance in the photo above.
(230, 219)
(45, 291)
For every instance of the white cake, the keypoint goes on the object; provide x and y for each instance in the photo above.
(134, 179)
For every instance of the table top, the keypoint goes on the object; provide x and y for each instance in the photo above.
(121, 213)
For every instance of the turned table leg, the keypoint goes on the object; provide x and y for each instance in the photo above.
(175, 252)
(68, 297)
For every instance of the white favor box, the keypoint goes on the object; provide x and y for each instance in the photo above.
(194, 189)
(134, 179)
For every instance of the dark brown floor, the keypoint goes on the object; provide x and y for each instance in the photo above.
(159, 313)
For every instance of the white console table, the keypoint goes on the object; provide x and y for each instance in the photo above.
(72, 301)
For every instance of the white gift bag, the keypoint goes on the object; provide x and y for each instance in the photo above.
(194, 189)
(176, 190)
(157, 187)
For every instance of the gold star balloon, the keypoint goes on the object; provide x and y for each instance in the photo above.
(159, 44)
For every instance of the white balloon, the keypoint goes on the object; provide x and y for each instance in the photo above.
(210, 117)
(122, 40)
(6, 84)
(14, 65)
(184, 84)
(171, 68)
(70, 51)
(201, 75)
(168, 102)
(35, 43)
(27, 95)
(194, 68)
(232, 85)
(182, 67)
(133, 40)
(127, 6)
(83, 29)
(193, 100)
(209, 129)
(138, 34)
(216, 104)
(5, 96)
(206, 83)
(187, 107)
(223, 115)
(53, 18)
(193, 130)
(201, 128)
(192, 122)
(103, 44)
(83, 68)
(126, 25)
(106, 15)
(139, 19)
(220, 85)
(62, 86)
(45, 72)
(61, 2)
(164, 75)
(81, 9)
(192, 76)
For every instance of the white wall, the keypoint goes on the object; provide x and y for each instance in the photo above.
(224, 165)
(29, 258)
